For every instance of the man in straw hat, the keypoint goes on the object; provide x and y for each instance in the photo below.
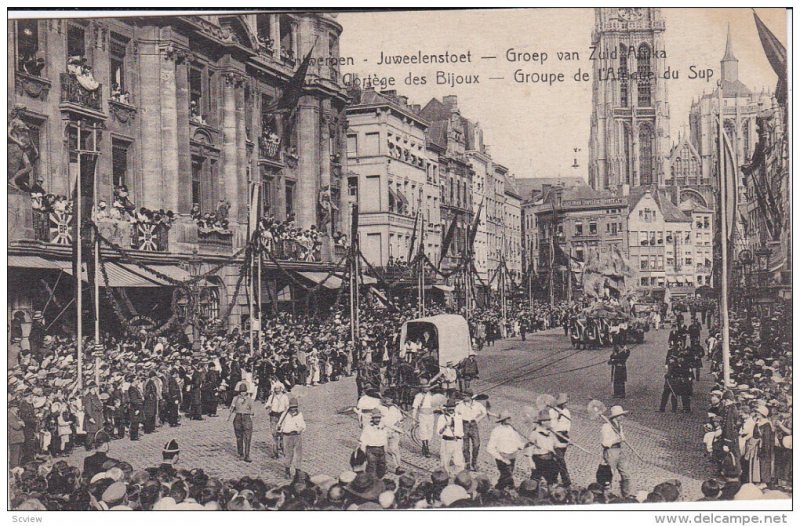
(277, 404)
(422, 413)
(542, 449)
(561, 424)
(242, 411)
(471, 412)
(612, 438)
(450, 428)
(504, 444)
(373, 441)
(291, 427)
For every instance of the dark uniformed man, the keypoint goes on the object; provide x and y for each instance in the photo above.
(172, 397)
(242, 408)
(619, 370)
(209, 390)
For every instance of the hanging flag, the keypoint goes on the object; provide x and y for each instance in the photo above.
(354, 227)
(255, 208)
(413, 238)
(473, 230)
(448, 238)
(776, 54)
(287, 102)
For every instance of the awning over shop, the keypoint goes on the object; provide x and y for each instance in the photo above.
(444, 288)
(120, 276)
(332, 282)
(32, 262)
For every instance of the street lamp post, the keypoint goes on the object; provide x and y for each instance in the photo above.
(194, 265)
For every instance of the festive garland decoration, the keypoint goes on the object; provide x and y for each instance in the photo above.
(117, 309)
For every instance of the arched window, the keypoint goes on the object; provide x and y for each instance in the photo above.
(643, 59)
(623, 76)
(645, 155)
(626, 145)
(209, 304)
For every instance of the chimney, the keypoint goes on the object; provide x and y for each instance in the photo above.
(403, 100)
(390, 93)
(451, 101)
(416, 108)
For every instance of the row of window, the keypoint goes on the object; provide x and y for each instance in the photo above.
(658, 281)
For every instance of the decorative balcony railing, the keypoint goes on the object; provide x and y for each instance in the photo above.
(215, 240)
(269, 147)
(52, 226)
(74, 92)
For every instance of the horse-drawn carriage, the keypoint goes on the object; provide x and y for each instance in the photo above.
(602, 324)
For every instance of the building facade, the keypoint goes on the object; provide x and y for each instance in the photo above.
(447, 141)
(512, 234)
(169, 116)
(629, 138)
(397, 182)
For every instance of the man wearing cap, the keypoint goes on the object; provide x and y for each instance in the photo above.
(291, 426)
(542, 450)
(504, 444)
(196, 407)
(468, 371)
(561, 424)
(373, 441)
(611, 438)
(93, 464)
(209, 390)
(393, 420)
(471, 413)
(422, 413)
(242, 412)
(150, 409)
(450, 428)
(277, 404)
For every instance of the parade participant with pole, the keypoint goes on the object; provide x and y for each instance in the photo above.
(373, 442)
(451, 430)
(561, 425)
(504, 444)
(542, 443)
(393, 420)
(277, 404)
(242, 411)
(612, 438)
(422, 413)
(291, 427)
(471, 414)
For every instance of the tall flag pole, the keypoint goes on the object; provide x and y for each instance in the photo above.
(98, 345)
(722, 168)
(255, 319)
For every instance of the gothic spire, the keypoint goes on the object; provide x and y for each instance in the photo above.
(729, 56)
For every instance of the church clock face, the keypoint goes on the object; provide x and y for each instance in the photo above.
(630, 13)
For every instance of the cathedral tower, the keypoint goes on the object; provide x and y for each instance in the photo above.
(629, 140)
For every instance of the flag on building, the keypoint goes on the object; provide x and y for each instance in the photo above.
(473, 230)
(287, 102)
(776, 54)
(448, 238)
(411, 245)
(730, 181)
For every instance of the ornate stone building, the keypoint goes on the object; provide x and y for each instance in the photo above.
(171, 116)
(629, 139)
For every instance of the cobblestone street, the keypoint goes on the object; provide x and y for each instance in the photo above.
(513, 373)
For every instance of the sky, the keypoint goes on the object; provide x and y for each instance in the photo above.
(533, 128)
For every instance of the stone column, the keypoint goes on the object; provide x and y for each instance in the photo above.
(275, 29)
(169, 133)
(230, 159)
(308, 150)
(184, 175)
(241, 187)
(148, 188)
